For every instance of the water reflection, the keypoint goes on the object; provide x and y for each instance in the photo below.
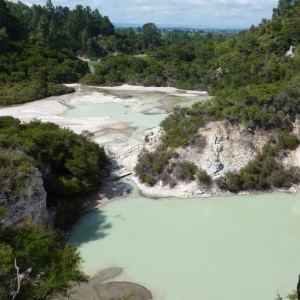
(91, 227)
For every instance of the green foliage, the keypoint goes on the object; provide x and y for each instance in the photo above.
(70, 164)
(15, 166)
(29, 73)
(263, 173)
(187, 171)
(204, 178)
(287, 140)
(29, 91)
(292, 296)
(152, 164)
(253, 80)
(82, 30)
(177, 66)
(181, 127)
(264, 106)
(284, 6)
(151, 36)
(49, 263)
(120, 69)
(6, 267)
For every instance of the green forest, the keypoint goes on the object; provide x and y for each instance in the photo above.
(40, 46)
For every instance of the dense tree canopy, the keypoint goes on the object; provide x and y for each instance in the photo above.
(70, 164)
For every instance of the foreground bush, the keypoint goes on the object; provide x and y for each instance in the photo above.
(48, 264)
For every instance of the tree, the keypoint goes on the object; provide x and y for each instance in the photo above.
(106, 27)
(283, 7)
(23, 15)
(4, 39)
(50, 8)
(8, 21)
(151, 36)
(42, 34)
(31, 255)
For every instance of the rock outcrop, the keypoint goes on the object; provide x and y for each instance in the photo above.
(28, 206)
(226, 148)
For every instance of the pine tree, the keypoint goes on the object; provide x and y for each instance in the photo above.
(42, 35)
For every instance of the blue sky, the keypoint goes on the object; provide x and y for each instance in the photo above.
(215, 13)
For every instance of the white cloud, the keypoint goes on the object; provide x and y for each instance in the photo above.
(219, 13)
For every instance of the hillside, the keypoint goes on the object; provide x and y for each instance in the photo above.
(254, 81)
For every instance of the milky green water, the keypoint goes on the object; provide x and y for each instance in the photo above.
(117, 112)
(231, 248)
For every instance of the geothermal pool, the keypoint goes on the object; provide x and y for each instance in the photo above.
(239, 247)
(230, 248)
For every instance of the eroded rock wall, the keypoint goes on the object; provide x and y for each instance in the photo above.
(28, 206)
(226, 148)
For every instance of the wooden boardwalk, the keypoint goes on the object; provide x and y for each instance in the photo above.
(118, 177)
(132, 148)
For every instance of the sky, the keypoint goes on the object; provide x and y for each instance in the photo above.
(212, 13)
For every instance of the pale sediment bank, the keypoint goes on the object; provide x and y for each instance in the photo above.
(101, 284)
(122, 146)
(105, 128)
(190, 190)
(174, 91)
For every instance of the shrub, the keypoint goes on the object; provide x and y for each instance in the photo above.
(263, 173)
(151, 164)
(180, 128)
(287, 140)
(186, 171)
(15, 166)
(53, 262)
(203, 177)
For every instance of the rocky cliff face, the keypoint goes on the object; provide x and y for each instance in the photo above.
(224, 147)
(28, 206)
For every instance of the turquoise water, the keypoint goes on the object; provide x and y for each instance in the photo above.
(230, 248)
(241, 247)
(117, 112)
